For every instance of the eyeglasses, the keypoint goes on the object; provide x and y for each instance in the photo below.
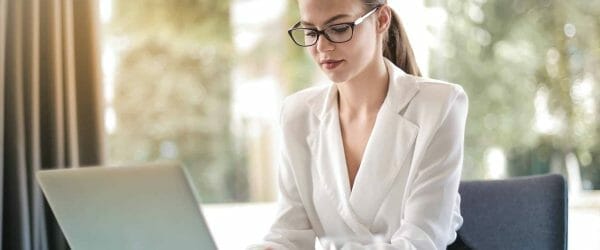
(337, 33)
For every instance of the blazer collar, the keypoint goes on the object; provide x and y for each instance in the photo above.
(402, 88)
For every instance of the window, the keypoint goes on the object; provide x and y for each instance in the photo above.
(183, 83)
(202, 81)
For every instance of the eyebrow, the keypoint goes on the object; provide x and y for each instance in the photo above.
(328, 20)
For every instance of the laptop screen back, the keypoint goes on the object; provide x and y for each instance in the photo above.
(141, 207)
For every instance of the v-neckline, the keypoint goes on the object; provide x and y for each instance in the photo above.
(342, 150)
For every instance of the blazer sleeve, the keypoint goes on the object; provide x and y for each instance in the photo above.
(292, 228)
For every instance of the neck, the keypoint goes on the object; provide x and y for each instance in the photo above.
(363, 95)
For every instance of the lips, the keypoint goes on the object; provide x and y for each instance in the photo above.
(330, 64)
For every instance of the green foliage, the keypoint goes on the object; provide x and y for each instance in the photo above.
(276, 53)
(172, 91)
(298, 66)
(200, 21)
(503, 52)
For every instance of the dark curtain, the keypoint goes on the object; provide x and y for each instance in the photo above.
(50, 109)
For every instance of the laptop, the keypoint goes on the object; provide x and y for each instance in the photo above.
(136, 207)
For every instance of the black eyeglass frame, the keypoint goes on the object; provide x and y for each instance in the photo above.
(322, 32)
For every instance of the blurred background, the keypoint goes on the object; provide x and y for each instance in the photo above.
(202, 81)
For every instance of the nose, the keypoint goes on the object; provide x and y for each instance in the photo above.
(323, 44)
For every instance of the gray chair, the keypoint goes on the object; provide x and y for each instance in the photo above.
(519, 213)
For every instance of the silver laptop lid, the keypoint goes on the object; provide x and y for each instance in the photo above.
(139, 207)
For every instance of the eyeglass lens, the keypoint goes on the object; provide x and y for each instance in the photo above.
(338, 33)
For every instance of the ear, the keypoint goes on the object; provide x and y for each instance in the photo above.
(384, 18)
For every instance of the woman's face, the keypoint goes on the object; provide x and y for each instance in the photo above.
(340, 61)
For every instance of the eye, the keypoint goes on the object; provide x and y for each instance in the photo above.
(340, 28)
(310, 33)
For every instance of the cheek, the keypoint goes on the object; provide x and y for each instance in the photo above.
(313, 52)
(365, 45)
(360, 47)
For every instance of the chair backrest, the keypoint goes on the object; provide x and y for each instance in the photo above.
(519, 213)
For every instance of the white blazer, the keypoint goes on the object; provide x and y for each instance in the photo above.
(406, 188)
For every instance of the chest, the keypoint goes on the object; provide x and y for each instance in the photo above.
(355, 136)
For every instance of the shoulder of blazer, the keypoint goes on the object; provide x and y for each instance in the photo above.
(437, 93)
(297, 108)
(438, 85)
(434, 101)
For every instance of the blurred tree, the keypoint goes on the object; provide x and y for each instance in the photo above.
(508, 53)
(298, 67)
(277, 54)
(496, 69)
(276, 58)
(172, 91)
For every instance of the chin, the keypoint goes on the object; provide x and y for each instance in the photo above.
(336, 77)
(345, 73)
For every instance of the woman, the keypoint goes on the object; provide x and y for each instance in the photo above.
(379, 151)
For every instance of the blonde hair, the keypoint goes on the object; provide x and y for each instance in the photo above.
(396, 46)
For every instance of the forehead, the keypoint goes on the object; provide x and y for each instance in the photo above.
(318, 12)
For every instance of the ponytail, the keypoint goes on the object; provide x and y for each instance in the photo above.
(397, 49)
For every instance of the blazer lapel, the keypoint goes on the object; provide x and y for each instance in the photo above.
(330, 162)
(389, 147)
(330, 155)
